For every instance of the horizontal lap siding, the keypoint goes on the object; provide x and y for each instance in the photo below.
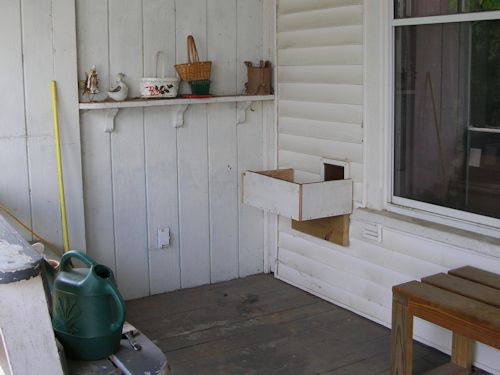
(360, 277)
(320, 85)
(328, 17)
(320, 114)
(324, 74)
(297, 6)
(328, 36)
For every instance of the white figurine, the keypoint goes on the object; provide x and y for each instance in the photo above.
(92, 82)
(120, 90)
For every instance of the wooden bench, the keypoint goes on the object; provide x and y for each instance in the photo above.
(465, 301)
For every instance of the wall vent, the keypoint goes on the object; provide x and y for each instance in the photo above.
(373, 231)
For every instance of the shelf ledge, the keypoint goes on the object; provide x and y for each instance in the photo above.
(111, 108)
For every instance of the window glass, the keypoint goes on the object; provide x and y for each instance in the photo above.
(447, 115)
(423, 8)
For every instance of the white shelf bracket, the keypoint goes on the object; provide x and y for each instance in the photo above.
(179, 115)
(109, 119)
(242, 111)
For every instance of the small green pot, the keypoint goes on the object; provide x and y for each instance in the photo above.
(200, 87)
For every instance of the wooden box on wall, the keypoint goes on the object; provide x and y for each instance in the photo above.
(318, 208)
(279, 192)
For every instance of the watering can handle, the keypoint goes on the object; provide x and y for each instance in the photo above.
(120, 306)
(76, 254)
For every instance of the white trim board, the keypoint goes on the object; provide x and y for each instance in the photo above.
(378, 123)
(449, 18)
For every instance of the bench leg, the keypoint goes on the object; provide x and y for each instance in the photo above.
(401, 338)
(461, 351)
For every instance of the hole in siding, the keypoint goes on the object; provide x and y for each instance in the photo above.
(333, 172)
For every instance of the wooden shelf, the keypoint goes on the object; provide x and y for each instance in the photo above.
(137, 103)
(111, 108)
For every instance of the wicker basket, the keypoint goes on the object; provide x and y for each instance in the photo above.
(194, 70)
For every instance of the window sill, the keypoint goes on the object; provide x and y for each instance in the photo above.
(465, 239)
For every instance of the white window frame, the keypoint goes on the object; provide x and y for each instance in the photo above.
(408, 207)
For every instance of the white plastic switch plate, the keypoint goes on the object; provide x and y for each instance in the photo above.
(163, 237)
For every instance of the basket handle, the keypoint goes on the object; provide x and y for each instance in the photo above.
(157, 57)
(191, 50)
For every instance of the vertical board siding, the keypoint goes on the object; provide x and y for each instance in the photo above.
(40, 43)
(193, 158)
(92, 49)
(147, 174)
(193, 198)
(98, 190)
(162, 193)
(14, 184)
(222, 142)
(161, 150)
(251, 219)
(37, 47)
(65, 71)
(251, 224)
(127, 153)
(270, 133)
(158, 19)
(223, 178)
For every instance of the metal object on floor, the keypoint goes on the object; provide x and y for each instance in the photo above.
(129, 332)
(128, 360)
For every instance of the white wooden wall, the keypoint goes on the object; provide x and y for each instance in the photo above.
(37, 45)
(147, 174)
(320, 106)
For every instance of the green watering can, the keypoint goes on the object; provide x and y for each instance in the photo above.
(87, 309)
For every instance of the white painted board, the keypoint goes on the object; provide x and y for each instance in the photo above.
(26, 329)
(193, 158)
(161, 150)
(272, 195)
(65, 71)
(249, 47)
(222, 142)
(92, 23)
(297, 201)
(324, 199)
(127, 153)
(162, 193)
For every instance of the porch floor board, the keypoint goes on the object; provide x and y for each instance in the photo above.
(260, 325)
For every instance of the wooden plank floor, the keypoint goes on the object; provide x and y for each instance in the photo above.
(260, 325)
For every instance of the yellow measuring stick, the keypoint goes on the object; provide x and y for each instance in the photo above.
(62, 200)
